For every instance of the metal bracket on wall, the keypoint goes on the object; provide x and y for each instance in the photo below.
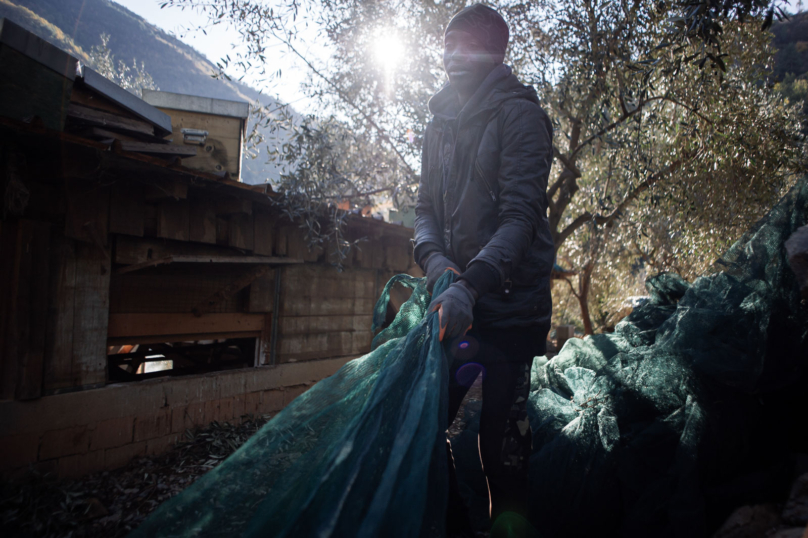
(194, 136)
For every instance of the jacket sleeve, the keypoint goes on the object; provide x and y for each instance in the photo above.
(428, 236)
(525, 159)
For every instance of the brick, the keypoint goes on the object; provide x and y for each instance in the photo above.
(239, 407)
(176, 392)
(178, 419)
(252, 403)
(64, 442)
(150, 427)
(226, 410)
(18, 450)
(120, 456)
(161, 444)
(271, 401)
(195, 415)
(211, 411)
(80, 465)
(188, 417)
(293, 392)
(232, 384)
(31, 471)
(112, 433)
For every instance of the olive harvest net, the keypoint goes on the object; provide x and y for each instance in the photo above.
(635, 433)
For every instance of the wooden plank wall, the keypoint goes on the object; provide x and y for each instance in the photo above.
(24, 251)
(66, 278)
(78, 313)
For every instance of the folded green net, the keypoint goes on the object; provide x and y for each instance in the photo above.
(648, 431)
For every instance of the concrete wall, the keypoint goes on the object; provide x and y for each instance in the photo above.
(83, 432)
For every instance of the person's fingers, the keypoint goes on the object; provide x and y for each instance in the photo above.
(441, 323)
(467, 330)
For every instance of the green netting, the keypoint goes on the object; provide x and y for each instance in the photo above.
(637, 432)
(631, 430)
(353, 456)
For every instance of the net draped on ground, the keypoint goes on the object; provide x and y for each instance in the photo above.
(352, 456)
(630, 429)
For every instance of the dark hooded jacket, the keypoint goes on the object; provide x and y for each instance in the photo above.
(483, 196)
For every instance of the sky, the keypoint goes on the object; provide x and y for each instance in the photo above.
(219, 40)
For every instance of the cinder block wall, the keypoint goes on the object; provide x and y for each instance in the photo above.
(82, 432)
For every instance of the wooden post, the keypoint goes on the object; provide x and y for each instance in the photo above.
(24, 296)
(91, 315)
(59, 343)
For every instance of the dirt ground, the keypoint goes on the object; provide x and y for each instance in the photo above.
(112, 503)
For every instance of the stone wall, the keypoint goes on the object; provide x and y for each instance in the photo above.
(82, 432)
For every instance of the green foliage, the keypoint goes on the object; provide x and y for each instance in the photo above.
(133, 79)
(667, 143)
(329, 169)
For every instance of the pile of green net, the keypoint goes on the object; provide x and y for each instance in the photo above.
(655, 429)
(636, 433)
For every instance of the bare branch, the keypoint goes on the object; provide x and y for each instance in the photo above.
(570, 229)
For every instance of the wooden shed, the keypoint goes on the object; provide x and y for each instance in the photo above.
(216, 126)
(140, 297)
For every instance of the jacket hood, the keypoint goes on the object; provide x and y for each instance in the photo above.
(499, 86)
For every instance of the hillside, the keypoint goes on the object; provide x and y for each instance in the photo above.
(75, 26)
(791, 41)
(791, 62)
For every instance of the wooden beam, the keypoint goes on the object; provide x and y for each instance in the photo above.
(209, 259)
(228, 291)
(203, 220)
(87, 216)
(91, 314)
(108, 120)
(162, 325)
(167, 189)
(241, 232)
(59, 343)
(127, 212)
(24, 253)
(232, 206)
(158, 149)
(187, 337)
(129, 250)
(264, 234)
(174, 219)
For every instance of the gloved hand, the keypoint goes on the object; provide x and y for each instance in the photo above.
(437, 264)
(454, 306)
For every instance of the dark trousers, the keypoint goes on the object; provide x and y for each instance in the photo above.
(504, 357)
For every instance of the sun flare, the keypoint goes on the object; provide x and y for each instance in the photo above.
(388, 49)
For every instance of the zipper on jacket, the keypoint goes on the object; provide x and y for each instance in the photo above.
(485, 181)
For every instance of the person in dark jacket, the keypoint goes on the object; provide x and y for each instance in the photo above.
(481, 212)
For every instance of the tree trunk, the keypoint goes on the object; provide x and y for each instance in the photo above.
(584, 285)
